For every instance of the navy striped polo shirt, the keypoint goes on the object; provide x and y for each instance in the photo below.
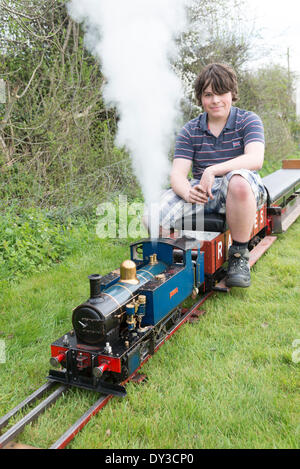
(195, 141)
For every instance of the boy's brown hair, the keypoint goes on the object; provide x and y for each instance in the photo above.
(222, 79)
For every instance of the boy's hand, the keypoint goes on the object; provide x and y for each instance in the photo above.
(206, 182)
(200, 193)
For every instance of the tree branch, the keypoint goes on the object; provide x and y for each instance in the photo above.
(5, 7)
(32, 77)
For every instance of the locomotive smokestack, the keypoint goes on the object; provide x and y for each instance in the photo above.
(95, 285)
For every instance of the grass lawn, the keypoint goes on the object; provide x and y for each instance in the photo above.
(227, 381)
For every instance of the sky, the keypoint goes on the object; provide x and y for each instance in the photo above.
(278, 23)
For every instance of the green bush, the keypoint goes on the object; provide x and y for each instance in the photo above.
(32, 240)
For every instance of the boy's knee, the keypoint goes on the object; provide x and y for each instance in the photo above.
(239, 188)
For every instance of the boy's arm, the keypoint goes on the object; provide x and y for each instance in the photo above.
(180, 183)
(252, 159)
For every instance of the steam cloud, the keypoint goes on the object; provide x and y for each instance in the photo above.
(135, 40)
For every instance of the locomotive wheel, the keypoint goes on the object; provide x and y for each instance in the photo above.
(176, 315)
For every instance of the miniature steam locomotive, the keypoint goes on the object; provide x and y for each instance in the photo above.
(126, 315)
(131, 310)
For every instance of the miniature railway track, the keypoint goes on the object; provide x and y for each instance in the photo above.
(16, 429)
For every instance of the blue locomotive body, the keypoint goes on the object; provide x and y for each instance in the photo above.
(120, 324)
(167, 291)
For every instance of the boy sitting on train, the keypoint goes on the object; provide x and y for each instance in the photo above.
(224, 147)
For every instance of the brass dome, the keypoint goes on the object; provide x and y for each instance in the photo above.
(128, 272)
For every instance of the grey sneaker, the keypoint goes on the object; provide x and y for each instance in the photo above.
(238, 271)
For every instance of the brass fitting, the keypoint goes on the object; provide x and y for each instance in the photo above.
(153, 259)
(142, 299)
(128, 272)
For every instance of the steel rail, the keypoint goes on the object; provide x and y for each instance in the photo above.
(31, 416)
(29, 400)
(68, 436)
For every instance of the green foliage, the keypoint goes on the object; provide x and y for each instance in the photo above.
(32, 241)
(269, 93)
(56, 136)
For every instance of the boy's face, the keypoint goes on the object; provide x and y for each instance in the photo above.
(217, 106)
